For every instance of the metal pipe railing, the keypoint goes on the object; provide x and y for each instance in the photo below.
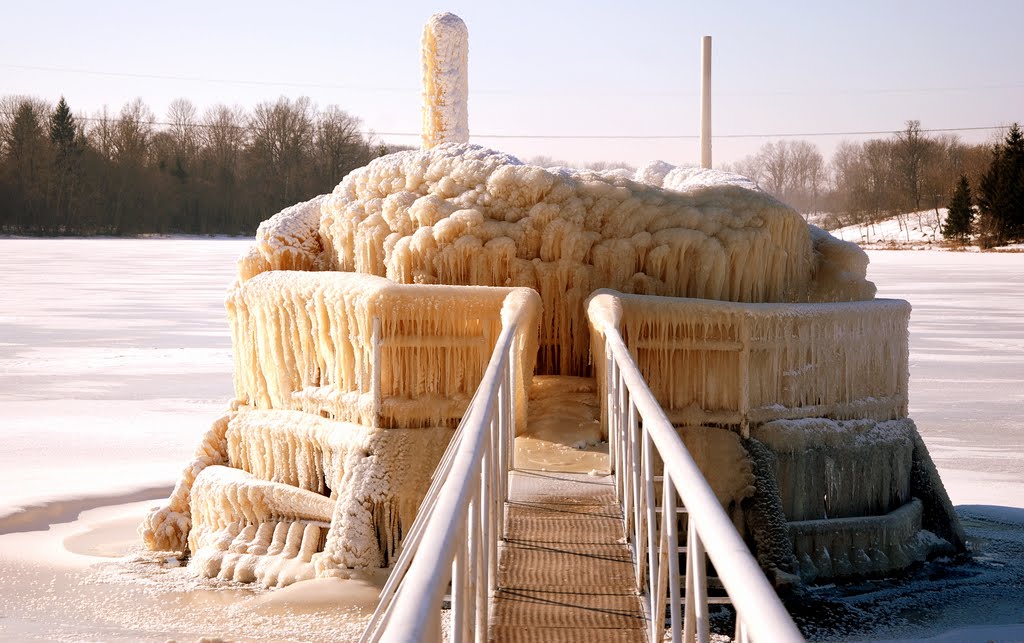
(638, 428)
(455, 536)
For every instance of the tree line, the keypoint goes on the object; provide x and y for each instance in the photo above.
(227, 169)
(219, 172)
(906, 174)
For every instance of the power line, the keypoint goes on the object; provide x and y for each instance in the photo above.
(935, 130)
(696, 136)
(363, 88)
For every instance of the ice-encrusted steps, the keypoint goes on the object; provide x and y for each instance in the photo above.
(565, 573)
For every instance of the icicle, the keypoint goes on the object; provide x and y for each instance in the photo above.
(305, 341)
(468, 215)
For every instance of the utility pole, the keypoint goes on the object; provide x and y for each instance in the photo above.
(705, 102)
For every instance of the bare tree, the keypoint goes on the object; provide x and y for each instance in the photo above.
(910, 155)
(132, 133)
(850, 182)
(338, 145)
(773, 159)
(224, 137)
(792, 171)
(100, 133)
(183, 130)
(282, 137)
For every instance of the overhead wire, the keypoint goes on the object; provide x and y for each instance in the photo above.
(933, 130)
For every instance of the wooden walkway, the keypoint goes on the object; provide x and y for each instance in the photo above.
(565, 573)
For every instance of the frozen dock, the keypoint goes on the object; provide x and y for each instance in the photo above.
(565, 572)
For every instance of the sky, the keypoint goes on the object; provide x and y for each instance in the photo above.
(548, 69)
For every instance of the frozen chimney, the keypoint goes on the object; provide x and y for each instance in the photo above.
(445, 51)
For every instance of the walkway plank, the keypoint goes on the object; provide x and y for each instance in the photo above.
(564, 573)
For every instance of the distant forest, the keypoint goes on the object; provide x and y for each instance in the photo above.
(227, 169)
(908, 172)
(219, 172)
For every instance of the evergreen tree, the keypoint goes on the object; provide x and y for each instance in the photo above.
(62, 129)
(25, 166)
(66, 145)
(1001, 192)
(960, 217)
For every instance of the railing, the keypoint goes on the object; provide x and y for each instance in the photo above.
(455, 536)
(639, 431)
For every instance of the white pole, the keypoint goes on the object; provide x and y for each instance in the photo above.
(705, 102)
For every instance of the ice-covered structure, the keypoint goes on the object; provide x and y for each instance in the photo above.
(824, 472)
(362, 320)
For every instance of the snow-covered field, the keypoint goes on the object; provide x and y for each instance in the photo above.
(912, 231)
(115, 356)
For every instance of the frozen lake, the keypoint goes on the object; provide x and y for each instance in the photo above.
(966, 365)
(115, 355)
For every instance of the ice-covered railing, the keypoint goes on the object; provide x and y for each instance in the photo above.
(461, 519)
(724, 363)
(363, 349)
(639, 434)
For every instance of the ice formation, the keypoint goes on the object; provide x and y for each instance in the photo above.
(362, 322)
(818, 392)
(469, 215)
(842, 360)
(445, 81)
(363, 349)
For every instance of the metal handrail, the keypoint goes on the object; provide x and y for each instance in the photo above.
(639, 429)
(455, 536)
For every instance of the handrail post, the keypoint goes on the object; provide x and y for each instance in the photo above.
(696, 564)
(634, 466)
(485, 568)
(668, 519)
(459, 571)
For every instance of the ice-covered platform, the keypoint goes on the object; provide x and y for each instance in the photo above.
(362, 322)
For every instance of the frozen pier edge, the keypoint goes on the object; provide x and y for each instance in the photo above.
(753, 392)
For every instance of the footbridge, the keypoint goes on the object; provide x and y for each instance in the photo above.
(499, 554)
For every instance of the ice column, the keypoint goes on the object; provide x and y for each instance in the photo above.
(705, 102)
(445, 81)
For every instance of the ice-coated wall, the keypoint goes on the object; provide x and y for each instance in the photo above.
(841, 360)
(363, 349)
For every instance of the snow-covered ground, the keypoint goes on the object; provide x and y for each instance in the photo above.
(912, 231)
(115, 356)
(915, 230)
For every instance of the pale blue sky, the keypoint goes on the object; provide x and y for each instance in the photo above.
(552, 67)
